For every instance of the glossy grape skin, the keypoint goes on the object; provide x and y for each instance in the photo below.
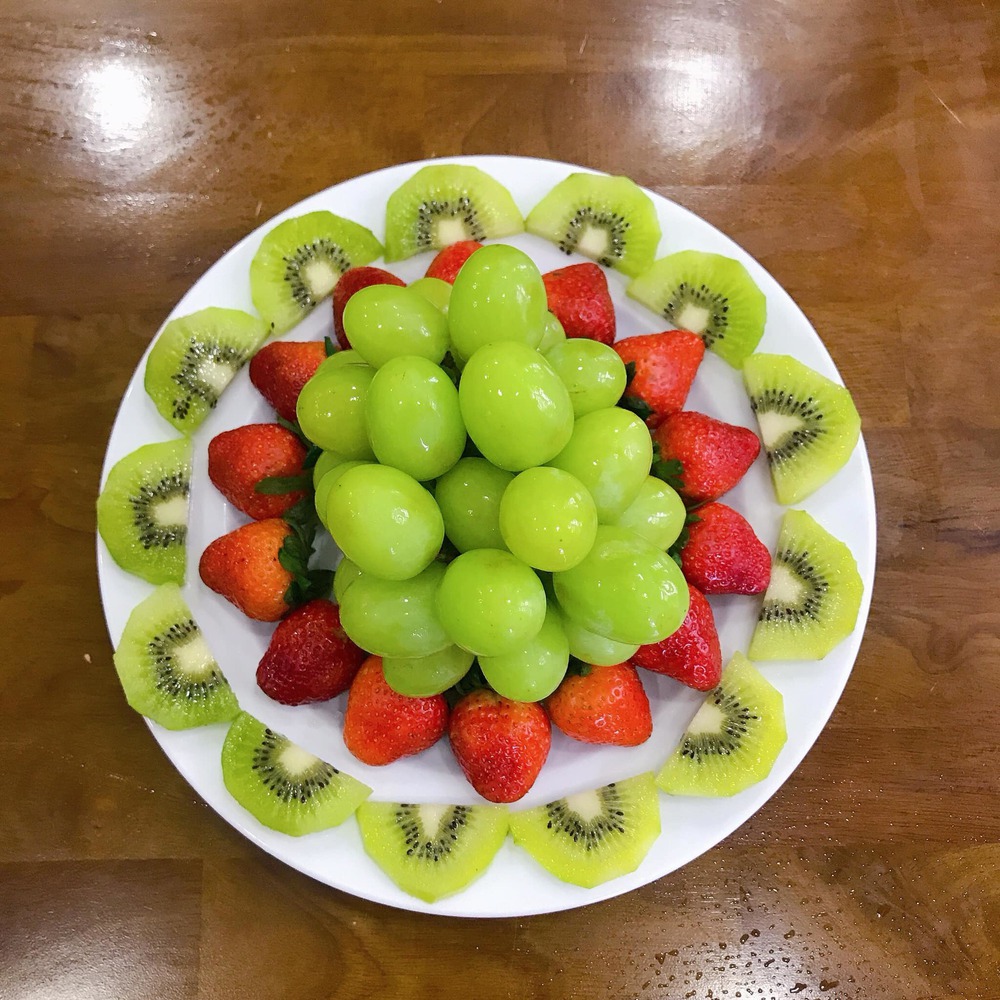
(657, 513)
(413, 417)
(327, 460)
(548, 518)
(395, 617)
(610, 452)
(386, 321)
(469, 496)
(490, 602)
(593, 373)
(516, 409)
(345, 574)
(385, 521)
(322, 496)
(554, 334)
(593, 648)
(626, 589)
(422, 676)
(436, 291)
(331, 411)
(498, 295)
(534, 671)
(339, 359)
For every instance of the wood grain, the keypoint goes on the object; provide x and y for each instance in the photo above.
(850, 146)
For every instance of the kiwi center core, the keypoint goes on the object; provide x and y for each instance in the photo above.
(193, 657)
(297, 761)
(205, 370)
(693, 318)
(313, 269)
(587, 805)
(776, 426)
(320, 277)
(710, 719)
(171, 510)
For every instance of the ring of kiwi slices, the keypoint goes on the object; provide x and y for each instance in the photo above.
(577, 781)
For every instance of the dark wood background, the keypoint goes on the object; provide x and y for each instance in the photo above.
(850, 145)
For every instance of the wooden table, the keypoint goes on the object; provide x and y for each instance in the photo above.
(851, 146)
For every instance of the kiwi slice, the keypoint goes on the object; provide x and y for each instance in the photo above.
(432, 851)
(592, 836)
(444, 203)
(809, 425)
(143, 509)
(733, 740)
(195, 358)
(282, 785)
(708, 294)
(814, 595)
(300, 260)
(609, 219)
(166, 668)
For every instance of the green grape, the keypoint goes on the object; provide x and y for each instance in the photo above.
(626, 589)
(593, 373)
(436, 291)
(490, 602)
(385, 521)
(422, 676)
(554, 334)
(339, 359)
(657, 513)
(331, 410)
(610, 452)
(591, 647)
(395, 617)
(386, 321)
(548, 518)
(327, 460)
(325, 485)
(345, 574)
(516, 409)
(498, 295)
(534, 671)
(469, 495)
(413, 416)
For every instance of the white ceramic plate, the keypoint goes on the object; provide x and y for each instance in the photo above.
(514, 885)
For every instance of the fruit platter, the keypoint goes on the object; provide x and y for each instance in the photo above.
(486, 537)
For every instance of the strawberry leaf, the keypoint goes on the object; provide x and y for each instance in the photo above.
(670, 470)
(629, 373)
(472, 681)
(312, 456)
(276, 486)
(636, 405)
(330, 346)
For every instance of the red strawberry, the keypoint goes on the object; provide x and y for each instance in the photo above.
(579, 297)
(692, 654)
(239, 459)
(449, 261)
(500, 744)
(723, 555)
(310, 657)
(351, 281)
(381, 726)
(279, 371)
(243, 567)
(603, 705)
(714, 455)
(665, 366)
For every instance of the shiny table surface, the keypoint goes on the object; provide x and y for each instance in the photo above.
(850, 146)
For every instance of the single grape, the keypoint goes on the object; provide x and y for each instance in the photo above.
(516, 409)
(593, 373)
(331, 410)
(498, 295)
(386, 321)
(610, 452)
(325, 485)
(554, 334)
(345, 574)
(593, 648)
(469, 495)
(327, 460)
(436, 291)
(490, 602)
(625, 589)
(534, 671)
(657, 513)
(395, 617)
(422, 676)
(548, 518)
(385, 521)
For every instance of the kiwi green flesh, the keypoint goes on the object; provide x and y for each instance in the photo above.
(609, 219)
(142, 510)
(444, 203)
(431, 851)
(708, 294)
(282, 785)
(812, 601)
(166, 669)
(734, 738)
(300, 260)
(592, 836)
(195, 358)
(808, 423)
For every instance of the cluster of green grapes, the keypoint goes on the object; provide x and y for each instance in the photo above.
(538, 480)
